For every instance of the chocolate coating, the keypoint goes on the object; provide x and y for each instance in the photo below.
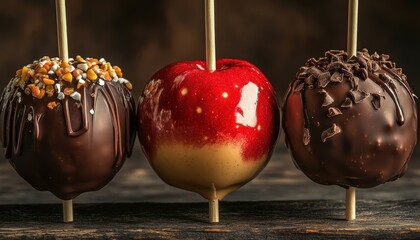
(350, 122)
(77, 146)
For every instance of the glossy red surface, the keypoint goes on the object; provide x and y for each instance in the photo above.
(185, 103)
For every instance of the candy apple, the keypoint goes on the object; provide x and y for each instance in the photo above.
(208, 132)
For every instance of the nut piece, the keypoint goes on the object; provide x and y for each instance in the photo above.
(118, 71)
(68, 91)
(128, 85)
(52, 105)
(24, 74)
(48, 81)
(91, 75)
(49, 90)
(67, 77)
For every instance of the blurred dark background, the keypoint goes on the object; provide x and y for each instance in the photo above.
(143, 36)
(278, 36)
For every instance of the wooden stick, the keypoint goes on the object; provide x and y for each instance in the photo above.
(214, 211)
(352, 51)
(352, 27)
(210, 36)
(211, 66)
(60, 7)
(68, 211)
(63, 53)
(350, 203)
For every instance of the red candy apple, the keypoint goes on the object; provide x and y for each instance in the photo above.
(208, 132)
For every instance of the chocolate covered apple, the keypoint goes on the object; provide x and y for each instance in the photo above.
(67, 127)
(209, 132)
(352, 121)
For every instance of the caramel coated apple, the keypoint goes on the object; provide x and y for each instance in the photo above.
(208, 132)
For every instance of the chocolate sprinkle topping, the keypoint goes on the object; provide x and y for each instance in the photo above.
(306, 136)
(330, 132)
(376, 101)
(332, 111)
(358, 96)
(336, 77)
(328, 100)
(347, 103)
(324, 79)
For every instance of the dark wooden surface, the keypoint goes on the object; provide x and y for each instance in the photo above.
(239, 220)
(279, 181)
(280, 202)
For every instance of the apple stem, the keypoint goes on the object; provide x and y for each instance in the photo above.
(68, 211)
(352, 27)
(351, 50)
(210, 36)
(214, 211)
(60, 7)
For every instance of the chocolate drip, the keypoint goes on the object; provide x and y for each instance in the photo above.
(67, 115)
(401, 81)
(18, 126)
(390, 88)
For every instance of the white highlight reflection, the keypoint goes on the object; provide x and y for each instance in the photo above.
(246, 111)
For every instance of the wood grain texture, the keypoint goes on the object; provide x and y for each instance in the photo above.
(280, 180)
(239, 220)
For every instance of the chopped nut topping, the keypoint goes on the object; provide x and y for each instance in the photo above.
(52, 105)
(48, 76)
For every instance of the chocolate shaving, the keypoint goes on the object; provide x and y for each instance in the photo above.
(384, 57)
(347, 103)
(311, 61)
(358, 96)
(302, 75)
(306, 136)
(336, 77)
(375, 67)
(303, 68)
(376, 101)
(387, 64)
(385, 77)
(354, 82)
(314, 71)
(336, 65)
(363, 73)
(332, 111)
(299, 87)
(310, 80)
(327, 98)
(347, 73)
(361, 61)
(324, 79)
(330, 132)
